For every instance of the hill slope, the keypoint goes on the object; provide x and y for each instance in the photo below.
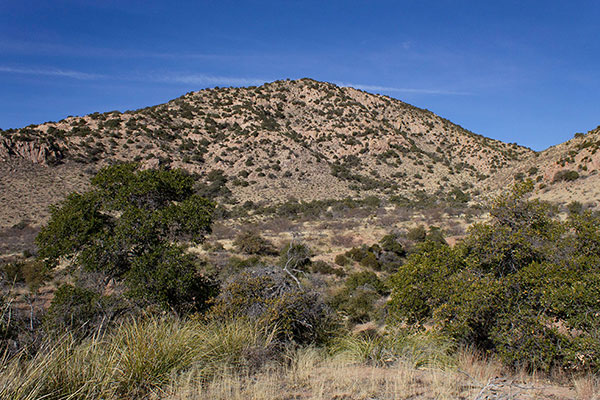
(302, 139)
(563, 173)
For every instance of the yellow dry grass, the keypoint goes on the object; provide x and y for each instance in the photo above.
(311, 377)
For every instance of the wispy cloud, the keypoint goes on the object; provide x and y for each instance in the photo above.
(375, 88)
(51, 72)
(202, 79)
(57, 49)
(189, 79)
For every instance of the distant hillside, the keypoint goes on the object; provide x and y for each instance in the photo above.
(563, 173)
(287, 139)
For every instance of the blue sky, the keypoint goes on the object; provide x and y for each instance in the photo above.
(519, 71)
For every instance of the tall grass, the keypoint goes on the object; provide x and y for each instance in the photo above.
(168, 358)
(415, 350)
(137, 359)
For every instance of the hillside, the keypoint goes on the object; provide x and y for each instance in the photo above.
(563, 173)
(287, 139)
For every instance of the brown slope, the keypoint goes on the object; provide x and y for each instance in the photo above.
(302, 139)
(563, 173)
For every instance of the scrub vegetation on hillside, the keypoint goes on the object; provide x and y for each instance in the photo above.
(140, 306)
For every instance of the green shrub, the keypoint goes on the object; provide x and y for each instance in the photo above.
(321, 267)
(519, 285)
(417, 234)
(532, 171)
(565, 175)
(358, 305)
(436, 235)
(168, 277)
(79, 310)
(33, 273)
(370, 261)
(357, 299)
(237, 264)
(251, 242)
(295, 255)
(356, 254)
(391, 243)
(458, 196)
(341, 260)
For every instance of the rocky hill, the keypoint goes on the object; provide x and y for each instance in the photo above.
(565, 173)
(287, 139)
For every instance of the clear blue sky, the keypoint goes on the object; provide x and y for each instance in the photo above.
(519, 71)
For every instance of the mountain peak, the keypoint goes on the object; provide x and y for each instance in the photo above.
(301, 139)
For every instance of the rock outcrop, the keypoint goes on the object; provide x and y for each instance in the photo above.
(35, 151)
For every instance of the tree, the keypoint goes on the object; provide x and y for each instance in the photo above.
(524, 285)
(127, 227)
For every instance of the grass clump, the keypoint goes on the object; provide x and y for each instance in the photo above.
(413, 349)
(138, 358)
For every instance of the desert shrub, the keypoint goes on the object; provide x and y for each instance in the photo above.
(216, 185)
(341, 260)
(358, 297)
(356, 254)
(169, 277)
(251, 242)
(575, 207)
(458, 196)
(322, 267)
(269, 297)
(565, 175)
(358, 305)
(417, 234)
(236, 264)
(33, 273)
(296, 255)
(391, 254)
(391, 243)
(80, 310)
(125, 227)
(435, 234)
(532, 171)
(519, 285)
(365, 256)
(370, 261)
(365, 278)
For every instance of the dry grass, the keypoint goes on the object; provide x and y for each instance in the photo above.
(587, 388)
(188, 360)
(311, 376)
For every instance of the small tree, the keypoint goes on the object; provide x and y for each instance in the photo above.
(125, 227)
(523, 285)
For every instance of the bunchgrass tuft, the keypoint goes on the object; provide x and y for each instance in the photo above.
(416, 350)
(137, 358)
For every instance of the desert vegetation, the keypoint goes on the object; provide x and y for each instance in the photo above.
(294, 240)
(137, 289)
(281, 140)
